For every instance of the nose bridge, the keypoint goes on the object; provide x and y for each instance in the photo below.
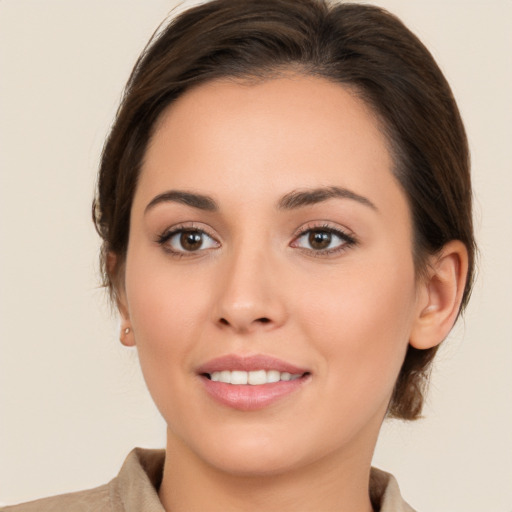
(248, 295)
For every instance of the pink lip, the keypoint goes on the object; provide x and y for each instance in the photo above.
(248, 397)
(248, 364)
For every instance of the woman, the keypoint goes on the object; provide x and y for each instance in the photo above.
(285, 207)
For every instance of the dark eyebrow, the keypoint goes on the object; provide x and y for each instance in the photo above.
(199, 201)
(300, 198)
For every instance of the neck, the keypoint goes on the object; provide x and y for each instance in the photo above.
(338, 482)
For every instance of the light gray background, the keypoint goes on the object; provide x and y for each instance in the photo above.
(72, 401)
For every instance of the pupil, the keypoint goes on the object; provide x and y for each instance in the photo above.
(320, 239)
(191, 240)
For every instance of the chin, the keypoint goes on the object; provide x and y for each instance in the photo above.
(251, 452)
(262, 462)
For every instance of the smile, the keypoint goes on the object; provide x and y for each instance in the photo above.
(251, 382)
(253, 378)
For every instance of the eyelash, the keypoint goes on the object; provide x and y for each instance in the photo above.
(167, 235)
(348, 240)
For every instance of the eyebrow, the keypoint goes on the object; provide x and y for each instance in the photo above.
(199, 201)
(301, 198)
(291, 201)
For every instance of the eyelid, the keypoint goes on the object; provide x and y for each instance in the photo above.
(326, 226)
(346, 235)
(168, 233)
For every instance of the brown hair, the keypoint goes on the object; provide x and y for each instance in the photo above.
(359, 46)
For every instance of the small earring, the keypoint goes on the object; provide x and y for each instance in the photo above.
(127, 330)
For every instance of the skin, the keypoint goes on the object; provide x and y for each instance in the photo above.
(257, 286)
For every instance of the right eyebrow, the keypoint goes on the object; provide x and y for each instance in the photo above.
(301, 198)
(199, 201)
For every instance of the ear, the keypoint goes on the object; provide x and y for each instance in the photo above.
(440, 296)
(126, 335)
(116, 271)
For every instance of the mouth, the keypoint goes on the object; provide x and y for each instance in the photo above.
(252, 378)
(251, 383)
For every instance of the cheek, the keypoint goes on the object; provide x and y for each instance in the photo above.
(361, 323)
(164, 299)
(168, 312)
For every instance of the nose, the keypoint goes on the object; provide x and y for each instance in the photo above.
(251, 295)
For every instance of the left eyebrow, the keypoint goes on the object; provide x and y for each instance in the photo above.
(301, 198)
(198, 201)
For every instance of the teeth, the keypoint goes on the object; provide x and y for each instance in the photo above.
(273, 376)
(257, 378)
(225, 376)
(254, 378)
(238, 377)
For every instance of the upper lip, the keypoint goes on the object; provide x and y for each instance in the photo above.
(249, 363)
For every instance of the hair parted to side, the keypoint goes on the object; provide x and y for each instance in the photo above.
(362, 47)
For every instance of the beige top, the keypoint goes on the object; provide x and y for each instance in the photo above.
(135, 490)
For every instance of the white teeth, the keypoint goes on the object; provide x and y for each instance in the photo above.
(257, 377)
(254, 378)
(273, 376)
(238, 377)
(225, 376)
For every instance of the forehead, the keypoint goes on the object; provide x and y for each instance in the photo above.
(265, 138)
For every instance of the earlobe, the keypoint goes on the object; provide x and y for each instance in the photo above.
(442, 294)
(116, 270)
(126, 337)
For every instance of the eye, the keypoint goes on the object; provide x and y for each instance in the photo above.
(323, 240)
(187, 240)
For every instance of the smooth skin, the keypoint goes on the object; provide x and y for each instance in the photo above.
(325, 281)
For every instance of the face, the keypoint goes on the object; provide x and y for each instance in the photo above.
(269, 279)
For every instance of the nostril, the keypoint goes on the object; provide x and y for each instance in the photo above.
(242, 324)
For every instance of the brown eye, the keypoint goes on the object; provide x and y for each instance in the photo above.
(323, 241)
(319, 240)
(191, 240)
(187, 241)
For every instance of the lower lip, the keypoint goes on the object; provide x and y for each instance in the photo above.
(251, 398)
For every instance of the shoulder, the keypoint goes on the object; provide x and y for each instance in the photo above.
(99, 499)
(134, 489)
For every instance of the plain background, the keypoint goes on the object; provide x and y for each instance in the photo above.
(72, 399)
